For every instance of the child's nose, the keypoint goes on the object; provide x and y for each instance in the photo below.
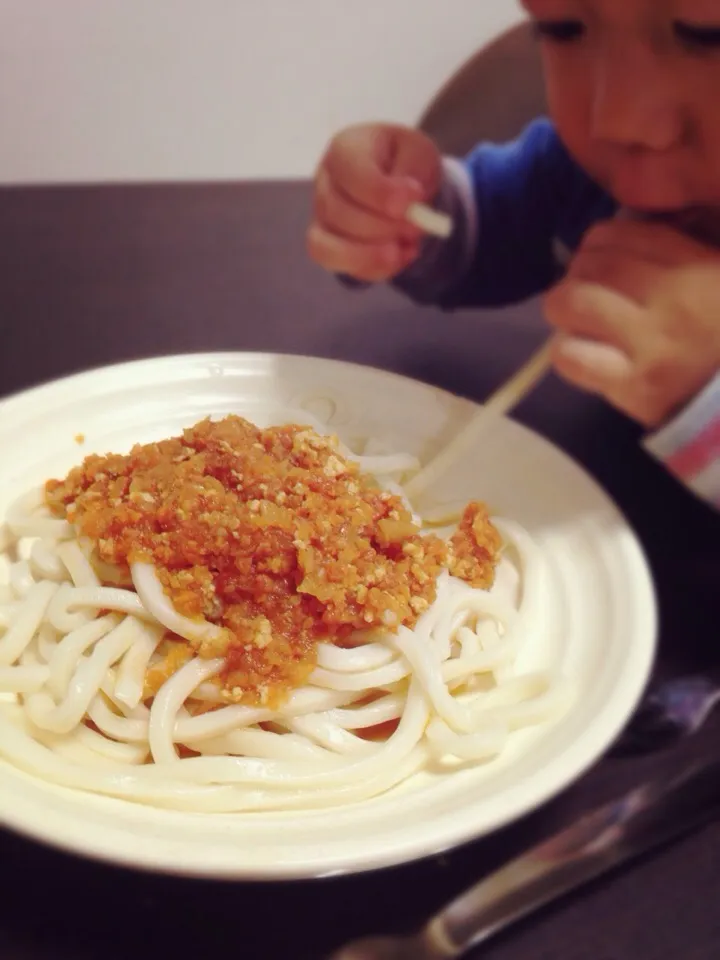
(634, 103)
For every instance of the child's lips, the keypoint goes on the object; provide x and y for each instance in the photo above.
(644, 188)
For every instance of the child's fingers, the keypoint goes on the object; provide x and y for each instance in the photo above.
(605, 370)
(593, 312)
(593, 366)
(373, 262)
(341, 215)
(651, 240)
(417, 158)
(620, 272)
(356, 163)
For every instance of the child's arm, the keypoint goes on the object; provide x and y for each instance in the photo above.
(512, 206)
(637, 312)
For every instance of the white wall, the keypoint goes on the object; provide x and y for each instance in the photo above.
(196, 89)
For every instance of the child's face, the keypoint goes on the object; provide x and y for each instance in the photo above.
(634, 89)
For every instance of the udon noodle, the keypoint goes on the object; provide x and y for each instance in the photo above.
(78, 646)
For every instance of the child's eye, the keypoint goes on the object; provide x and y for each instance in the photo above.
(559, 31)
(699, 37)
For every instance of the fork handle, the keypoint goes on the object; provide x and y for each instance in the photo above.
(644, 819)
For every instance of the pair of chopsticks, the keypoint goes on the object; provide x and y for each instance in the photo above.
(499, 403)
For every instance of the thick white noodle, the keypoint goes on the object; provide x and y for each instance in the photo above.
(483, 745)
(46, 562)
(8, 613)
(382, 710)
(77, 564)
(72, 607)
(24, 520)
(364, 680)
(153, 598)
(266, 745)
(388, 466)
(272, 774)
(84, 684)
(23, 679)
(47, 640)
(429, 220)
(371, 656)
(322, 730)
(168, 702)
(117, 726)
(73, 649)
(133, 666)
(84, 746)
(67, 654)
(27, 621)
(21, 579)
(7, 539)
(374, 459)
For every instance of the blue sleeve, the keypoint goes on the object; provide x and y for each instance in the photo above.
(528, 194)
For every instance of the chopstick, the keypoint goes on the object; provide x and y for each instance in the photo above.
(503, 400)
(439, 224)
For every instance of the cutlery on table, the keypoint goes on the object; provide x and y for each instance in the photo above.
(672, 711)
(645, 818)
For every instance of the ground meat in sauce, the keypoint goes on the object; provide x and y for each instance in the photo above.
(272, 534)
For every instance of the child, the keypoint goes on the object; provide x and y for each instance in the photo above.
(635, 130)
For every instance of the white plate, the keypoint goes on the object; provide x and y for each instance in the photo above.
(605, 617)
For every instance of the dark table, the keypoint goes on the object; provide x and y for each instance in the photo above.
(96, 275)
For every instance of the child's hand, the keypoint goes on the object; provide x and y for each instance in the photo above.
(638, 317)
(367, 180)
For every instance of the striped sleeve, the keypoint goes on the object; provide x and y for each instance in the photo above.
(689, 445)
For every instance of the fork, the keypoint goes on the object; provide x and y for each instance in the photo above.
(644, 819)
